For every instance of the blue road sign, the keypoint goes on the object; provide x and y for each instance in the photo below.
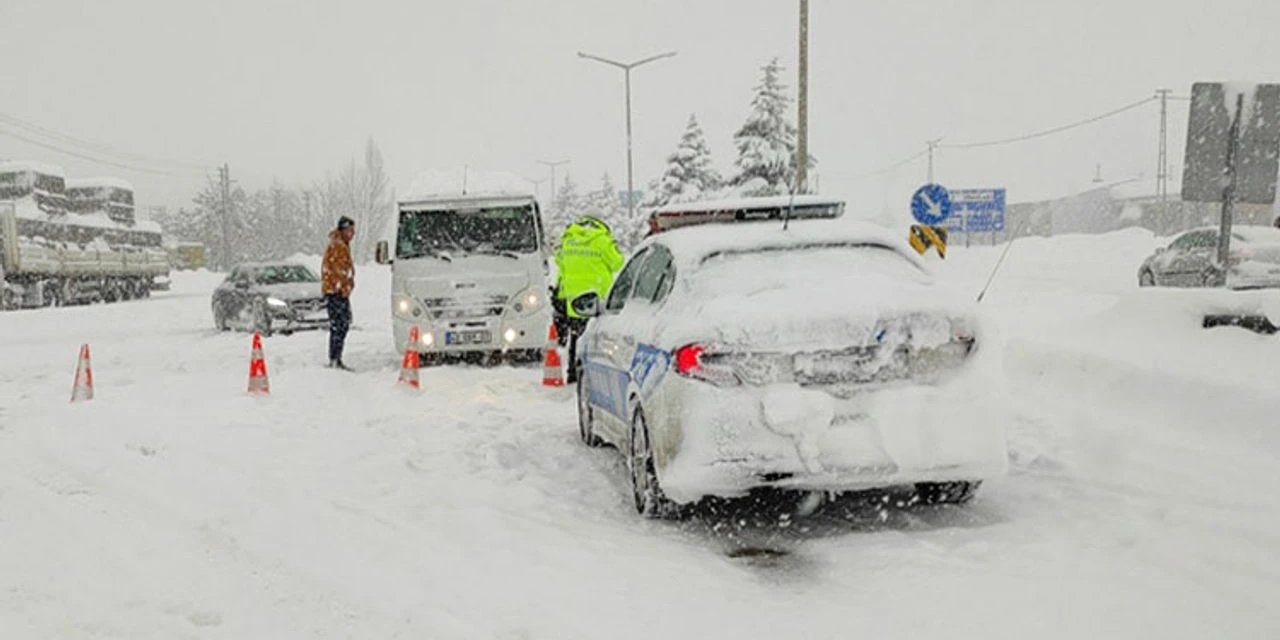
(931, 204)
(625, 198)
(979, 210)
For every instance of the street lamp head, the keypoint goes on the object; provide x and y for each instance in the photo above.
(623, 65)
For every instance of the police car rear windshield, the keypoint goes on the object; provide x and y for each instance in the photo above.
(769, 267)
(495, 230)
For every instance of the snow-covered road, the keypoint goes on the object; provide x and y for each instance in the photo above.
(1143, 501)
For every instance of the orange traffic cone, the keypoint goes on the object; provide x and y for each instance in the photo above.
(552, 376)
(409, 366)
(82, 388)
(258, 384)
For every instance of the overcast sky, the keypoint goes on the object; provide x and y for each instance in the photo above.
(291, 90)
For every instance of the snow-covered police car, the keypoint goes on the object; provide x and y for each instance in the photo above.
(820, 357)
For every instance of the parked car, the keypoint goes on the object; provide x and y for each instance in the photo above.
(270, 297)
(820, 358)
(1191, 260)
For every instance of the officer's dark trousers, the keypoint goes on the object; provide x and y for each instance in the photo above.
(339, 323)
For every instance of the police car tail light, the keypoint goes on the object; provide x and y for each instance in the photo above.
(696, 361)
(689, 359)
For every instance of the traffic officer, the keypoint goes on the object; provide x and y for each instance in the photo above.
(586, 262)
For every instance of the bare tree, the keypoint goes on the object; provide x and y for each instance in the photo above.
(363, 193)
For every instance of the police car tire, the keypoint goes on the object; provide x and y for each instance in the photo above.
(649, 499)
(586, 422)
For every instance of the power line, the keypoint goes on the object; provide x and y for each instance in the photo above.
(934, 144)
(35, 129)
(82, 156)
(1047, 132)
(890, 167)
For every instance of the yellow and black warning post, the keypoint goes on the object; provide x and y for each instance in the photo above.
(923, 236)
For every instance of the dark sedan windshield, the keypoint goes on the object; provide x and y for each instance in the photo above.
(283, 274)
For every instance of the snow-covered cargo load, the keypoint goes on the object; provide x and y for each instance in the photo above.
(59, 250)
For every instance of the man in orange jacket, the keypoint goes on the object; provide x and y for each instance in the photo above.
(337, 280)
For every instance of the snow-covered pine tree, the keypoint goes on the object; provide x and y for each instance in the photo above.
(690, 173)
(566, 207)
(605, 204)
(767, 140)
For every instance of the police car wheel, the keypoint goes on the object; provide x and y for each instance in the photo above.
(586, 418)
(649, 500)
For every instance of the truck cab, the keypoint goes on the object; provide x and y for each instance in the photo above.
(470, 272)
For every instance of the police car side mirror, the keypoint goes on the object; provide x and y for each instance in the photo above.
(587, 305)
(382, 253)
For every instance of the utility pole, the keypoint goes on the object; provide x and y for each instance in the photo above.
(802, 136)
(1162, 162)
(224, 203)
(626, 68)
(552, 166)
(932, 144)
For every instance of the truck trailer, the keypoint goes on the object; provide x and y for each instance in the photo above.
(73, 243)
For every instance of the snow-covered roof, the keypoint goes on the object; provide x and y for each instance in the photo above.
(76, 183)
(148, 225)
(737, 204)
(464, 201)
(13, 166)
(460, 184)
(690, 245)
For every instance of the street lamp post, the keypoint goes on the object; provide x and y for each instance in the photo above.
(626, 68)
(552, 165)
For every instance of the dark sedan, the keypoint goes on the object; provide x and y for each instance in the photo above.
(270, 297)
